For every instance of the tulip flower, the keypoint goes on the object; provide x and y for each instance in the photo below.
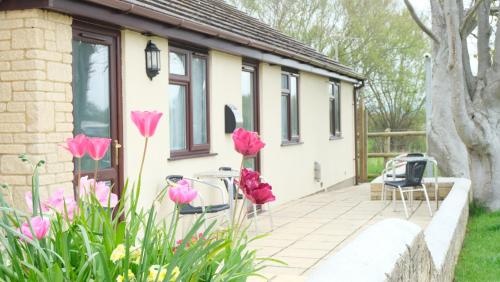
(146, 121)
(101, 191)
(257, 192)
(246, 142)
(97, 147)
(39, 225)
(77, 146)
(182, 193)
(61, 204)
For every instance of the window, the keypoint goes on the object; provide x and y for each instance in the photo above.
(289, 107)
(334, 93)
(189, 129)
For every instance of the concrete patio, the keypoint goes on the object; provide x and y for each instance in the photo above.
(309, 230)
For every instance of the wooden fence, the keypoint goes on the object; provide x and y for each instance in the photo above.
(363, 135)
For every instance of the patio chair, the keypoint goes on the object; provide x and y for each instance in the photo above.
(412, 182)
(189, 209)
(391, 163)
(231, 184)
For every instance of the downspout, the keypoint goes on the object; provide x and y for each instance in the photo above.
(356, 88)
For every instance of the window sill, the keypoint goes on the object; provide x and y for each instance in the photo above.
(191, 156)
(291, 143)
(336, 137)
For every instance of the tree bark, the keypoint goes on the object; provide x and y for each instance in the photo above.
(464, 133)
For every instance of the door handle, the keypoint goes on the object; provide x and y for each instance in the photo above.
(117, 147)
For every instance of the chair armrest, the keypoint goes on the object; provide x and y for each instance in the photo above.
(222, 191)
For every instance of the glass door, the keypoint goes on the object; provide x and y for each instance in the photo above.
(96, 97)
(249, 91)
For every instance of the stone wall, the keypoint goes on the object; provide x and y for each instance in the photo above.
(35, 99)
(398, 250)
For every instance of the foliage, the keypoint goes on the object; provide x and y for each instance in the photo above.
(479, 259)
(378, 38)
(97, 240)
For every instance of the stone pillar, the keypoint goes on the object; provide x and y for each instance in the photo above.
(35, 99)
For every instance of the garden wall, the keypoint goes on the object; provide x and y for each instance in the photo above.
(398, 250)
(35, 99)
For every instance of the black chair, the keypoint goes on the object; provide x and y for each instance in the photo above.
(188, 209)
(229, 183)
(411, 182)
(401, 175)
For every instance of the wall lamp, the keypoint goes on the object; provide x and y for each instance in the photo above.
(153, 62)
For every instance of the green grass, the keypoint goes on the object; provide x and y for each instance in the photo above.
(375, 167)
(480, 256)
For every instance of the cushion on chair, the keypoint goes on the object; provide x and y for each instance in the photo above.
(396, 183)
(188, 209)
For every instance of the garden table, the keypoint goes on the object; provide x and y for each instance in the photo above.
(229, 176)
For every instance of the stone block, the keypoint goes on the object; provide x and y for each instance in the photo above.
(16, 107)
(55, 168)
(56, 96)
(29, 38)
(28, 65)
(50, 35)
(64, 176)
(64, 127)
(4, 34)
(29, 138)
(39, 23)
(6, 138)
(11, 55)
(39, 86)
(11, 164)
(28, 13)
(44, 55)
(22, 75)
(3, 107)
(63, 155)
(64, 37)
(29, 96)
(41, 148)
(4, 45)
(12, 127)
(44, 179)
(12, 117)
(5, 91)
(59, 72)
(40, 116)
(4, 66)
(13, 179)
(18, 85)
(11, 24)
(64, 107)
(12, 149)
(59, 18)
(50, 45)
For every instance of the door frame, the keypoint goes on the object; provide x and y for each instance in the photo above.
(103, 33)
(254, 65)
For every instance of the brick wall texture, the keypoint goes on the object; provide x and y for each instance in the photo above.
(35, 100)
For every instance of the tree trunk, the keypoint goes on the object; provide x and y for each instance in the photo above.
(464, 135)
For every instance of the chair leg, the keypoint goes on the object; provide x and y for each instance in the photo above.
(427, 199)
(394, 199)
(270, 216)
(255, 218)
(383, 193)
(404, 202)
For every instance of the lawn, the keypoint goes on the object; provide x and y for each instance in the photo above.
(375, 167)
(480, 256)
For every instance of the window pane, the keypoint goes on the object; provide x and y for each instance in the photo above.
(294, 106)
(284, 81)
(332, 117)
(177, 94)
(247, 91)
(177, 64)
(337, 108)
(92, 95)
(199, 103)
(284, 117)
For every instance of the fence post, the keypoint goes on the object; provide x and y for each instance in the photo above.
(362, 142)
(387, 145)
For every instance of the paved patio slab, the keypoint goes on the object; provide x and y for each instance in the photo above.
(311, 229)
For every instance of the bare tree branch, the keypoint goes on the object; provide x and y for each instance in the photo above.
(484, 33)
(419, 22)
(470, 21)
(497, 44)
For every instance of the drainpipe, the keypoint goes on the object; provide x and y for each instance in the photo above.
(356, 88)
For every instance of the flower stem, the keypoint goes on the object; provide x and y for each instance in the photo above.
(79, 178)
(236, 196)
(143, 156)
(96, 169)
(176, 221)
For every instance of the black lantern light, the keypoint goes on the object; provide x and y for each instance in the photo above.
(153, 62)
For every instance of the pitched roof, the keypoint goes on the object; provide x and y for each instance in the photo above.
(216, 16)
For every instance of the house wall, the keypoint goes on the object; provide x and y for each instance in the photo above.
(35, 100)
(36, 113)
(288, 168)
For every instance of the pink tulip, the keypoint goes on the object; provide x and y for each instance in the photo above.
(28, 197)
(257, 192)
(246, 142)
(62, 204)
(102, 192)
(39, 225)
(182, 193)
(146, 121)
(77, 146)
(97, 147)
